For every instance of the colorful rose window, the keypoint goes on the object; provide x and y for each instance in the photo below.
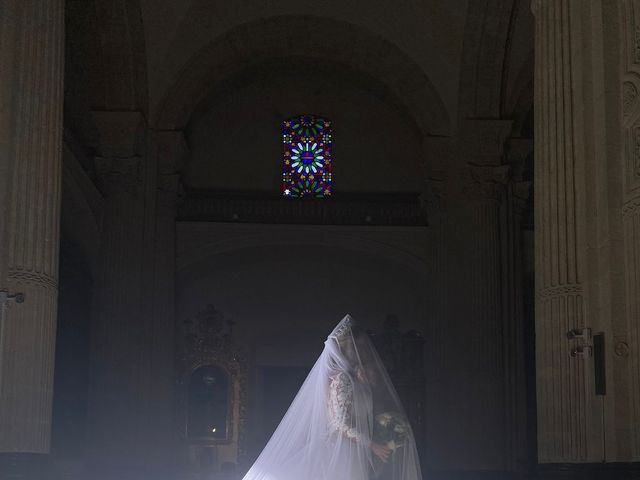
(306, 166)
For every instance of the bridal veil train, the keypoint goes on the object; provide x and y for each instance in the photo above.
(345, 423)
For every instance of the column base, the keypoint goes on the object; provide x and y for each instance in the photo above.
(25, 466)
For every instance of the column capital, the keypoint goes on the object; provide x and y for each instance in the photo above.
(487, 182)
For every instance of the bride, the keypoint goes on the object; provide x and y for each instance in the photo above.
(345, 423)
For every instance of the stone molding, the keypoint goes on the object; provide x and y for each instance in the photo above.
(559, 291)
(32, 278)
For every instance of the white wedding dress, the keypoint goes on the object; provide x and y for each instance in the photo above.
(339, 411)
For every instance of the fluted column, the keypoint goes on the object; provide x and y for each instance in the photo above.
(516, 195)
(476, 293)
(132, 369)
(565, 395)
(627, 341)
(486, 332)
(439, 340)
(171, 150)
(31, 89)
(118, 325)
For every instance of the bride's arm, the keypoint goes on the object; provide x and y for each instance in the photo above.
(341, 416)
(341, 408)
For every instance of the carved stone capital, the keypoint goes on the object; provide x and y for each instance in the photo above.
(119, 175)
(487, 182)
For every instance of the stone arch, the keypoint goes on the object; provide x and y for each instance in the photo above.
(325, 40)
(82, 209)
(484, 55)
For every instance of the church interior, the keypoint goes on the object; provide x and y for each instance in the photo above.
(193, 193)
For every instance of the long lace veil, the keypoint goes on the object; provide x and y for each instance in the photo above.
(346, 402)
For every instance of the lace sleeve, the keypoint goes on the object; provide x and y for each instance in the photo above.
(341, 407)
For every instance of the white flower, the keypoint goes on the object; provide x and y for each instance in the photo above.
(393, 446)
(384, 419)
(399, 428)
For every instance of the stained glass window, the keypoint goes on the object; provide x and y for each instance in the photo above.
(306, 166)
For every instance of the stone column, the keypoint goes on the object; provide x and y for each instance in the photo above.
(31, 95)
(117, 325)
(567, 419)
(486, 329)
(476, 293)
(132, 373)
(171, 150)
(627, 339)
(439, 344)
(515, 342)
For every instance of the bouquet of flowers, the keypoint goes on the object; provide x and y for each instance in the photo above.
(390, 429)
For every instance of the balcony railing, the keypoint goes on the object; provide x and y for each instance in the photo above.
(403, 209)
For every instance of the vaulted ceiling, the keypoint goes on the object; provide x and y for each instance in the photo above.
(437, 62)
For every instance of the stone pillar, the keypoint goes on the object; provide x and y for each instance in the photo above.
(132, 373)
(31, 95)
(439, 342)
(171, 150)
(626, 343)
(518, 454)
(568, 423)
(486, 331)
(476, 293)
(117, 325)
